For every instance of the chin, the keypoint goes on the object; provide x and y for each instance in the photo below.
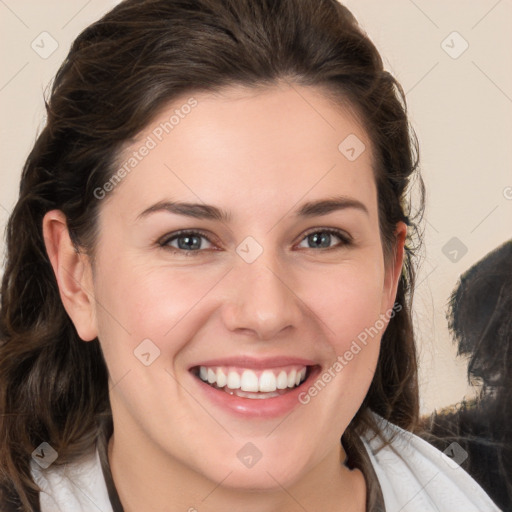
(260, 478)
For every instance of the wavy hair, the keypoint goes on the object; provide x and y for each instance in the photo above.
(118, 75)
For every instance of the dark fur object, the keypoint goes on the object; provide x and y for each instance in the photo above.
(480, 319)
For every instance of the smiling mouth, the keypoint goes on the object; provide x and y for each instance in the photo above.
(251, 383)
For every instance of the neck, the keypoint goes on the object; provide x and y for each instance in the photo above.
(158, 482)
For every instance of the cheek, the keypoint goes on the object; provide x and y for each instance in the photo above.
(136, 302)
(347, 299)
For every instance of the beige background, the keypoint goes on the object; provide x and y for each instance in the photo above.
(460, 107)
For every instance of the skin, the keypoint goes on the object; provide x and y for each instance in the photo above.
(259, 154)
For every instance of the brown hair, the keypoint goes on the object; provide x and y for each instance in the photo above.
(120, 72)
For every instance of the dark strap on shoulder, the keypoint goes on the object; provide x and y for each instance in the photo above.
(106, 430)
(357, 457)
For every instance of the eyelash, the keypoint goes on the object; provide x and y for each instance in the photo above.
(163, 242)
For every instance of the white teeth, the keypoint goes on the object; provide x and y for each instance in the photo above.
(267, 381)
(221, 378)
(233, 380)
(256, 396)
(291, 378)
(212, 377)
(248, 381)
(300, 376)
(282, 380)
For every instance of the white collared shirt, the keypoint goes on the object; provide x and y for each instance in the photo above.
(414, 477)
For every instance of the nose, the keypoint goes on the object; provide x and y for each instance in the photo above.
(264, 299)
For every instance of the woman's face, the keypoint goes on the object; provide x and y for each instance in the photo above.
(278, 288)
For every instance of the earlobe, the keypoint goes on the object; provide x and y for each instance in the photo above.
(73, 273)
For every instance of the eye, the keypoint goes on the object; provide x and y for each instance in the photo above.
(322, 238)
(188, 242)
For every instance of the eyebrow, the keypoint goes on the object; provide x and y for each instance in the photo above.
(210, 212)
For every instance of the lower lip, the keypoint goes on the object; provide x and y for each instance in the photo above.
(257, 407)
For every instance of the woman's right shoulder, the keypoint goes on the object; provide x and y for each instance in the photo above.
(78, 486)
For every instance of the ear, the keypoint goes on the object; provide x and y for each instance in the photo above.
(394, 267)
(73, 273)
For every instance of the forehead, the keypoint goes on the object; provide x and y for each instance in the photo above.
(262, 146)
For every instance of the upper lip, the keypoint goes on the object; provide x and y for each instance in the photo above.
(255, 362)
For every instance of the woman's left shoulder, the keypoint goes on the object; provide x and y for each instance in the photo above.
(416, 477)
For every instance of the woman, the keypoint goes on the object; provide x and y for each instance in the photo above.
(210, 272)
